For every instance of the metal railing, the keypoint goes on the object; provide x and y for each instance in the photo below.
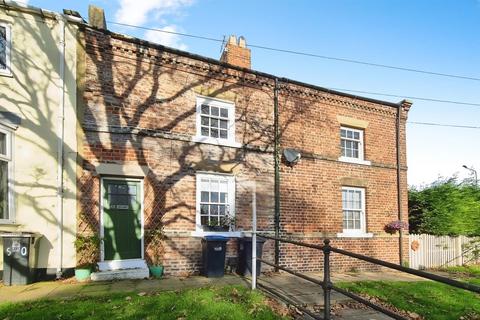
(327, 284)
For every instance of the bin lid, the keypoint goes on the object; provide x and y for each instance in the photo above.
(216, 238)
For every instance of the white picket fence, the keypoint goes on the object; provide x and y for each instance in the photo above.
(428, 251)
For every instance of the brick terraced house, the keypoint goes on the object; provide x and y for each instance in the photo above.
(174, 141)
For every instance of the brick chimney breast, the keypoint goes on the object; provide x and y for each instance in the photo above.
(236, 52)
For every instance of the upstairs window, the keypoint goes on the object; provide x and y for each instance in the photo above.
(5, 43)
(351, 143)
(215, 121)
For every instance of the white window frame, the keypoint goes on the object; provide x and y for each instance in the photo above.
(8, 35)
(231, 203)
(361, 147)
(10, 184)
(230, 141)
(356, 233)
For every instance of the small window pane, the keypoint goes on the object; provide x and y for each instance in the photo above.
(215, 111)
(349, 224)
(214, 123)
(214, 220)
(349, 134)
(204, 196)
(223, 197)
(343, 133)
(356, 135)
(221, 210)
(4, 190)
(356, 224)
(204, 220)
(204, 131)
(205, 109)
(223, 134)
(223, 124)
(214, 133)
(214, 197)
(205, 121)
(224, 113)
(213, 210)
(204, 209)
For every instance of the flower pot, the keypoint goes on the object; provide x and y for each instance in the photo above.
(83, 274)
(156, 271)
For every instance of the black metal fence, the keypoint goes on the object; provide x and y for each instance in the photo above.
(328, 286)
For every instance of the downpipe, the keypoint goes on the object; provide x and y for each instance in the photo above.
(60, 144)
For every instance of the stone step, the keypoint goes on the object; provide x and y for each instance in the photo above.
(137, 273)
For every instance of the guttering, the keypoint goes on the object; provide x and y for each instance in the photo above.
(25, 8)
(399, 186)
(60, 142)
(276, 155)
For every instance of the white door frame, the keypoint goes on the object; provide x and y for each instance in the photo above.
(125, 263)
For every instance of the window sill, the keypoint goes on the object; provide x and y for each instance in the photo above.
(354, 235)
(7, 74)
(215, 141)
(228, 234)
(9, 223)
(355, 161)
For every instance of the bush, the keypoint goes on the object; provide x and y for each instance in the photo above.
(446, 207)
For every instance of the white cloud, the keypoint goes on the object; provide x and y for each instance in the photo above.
(138, 12)
(166, 39)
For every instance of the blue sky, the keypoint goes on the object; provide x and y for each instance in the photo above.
(441, 36)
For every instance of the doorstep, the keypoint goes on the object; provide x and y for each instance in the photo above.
(135, 273)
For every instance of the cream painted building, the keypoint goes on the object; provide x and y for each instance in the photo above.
(38, 123)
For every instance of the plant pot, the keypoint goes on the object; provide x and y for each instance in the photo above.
(156, 271)
(83, 274)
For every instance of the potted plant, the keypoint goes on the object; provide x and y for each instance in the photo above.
(156, 237)
(88, 247)
(226, 223)
(395, 226)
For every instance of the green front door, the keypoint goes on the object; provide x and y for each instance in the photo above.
(122, 228)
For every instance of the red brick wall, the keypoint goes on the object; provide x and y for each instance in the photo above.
(139, 107)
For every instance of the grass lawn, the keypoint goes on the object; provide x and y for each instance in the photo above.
(231, 302)
(432, 300)
(472, 271)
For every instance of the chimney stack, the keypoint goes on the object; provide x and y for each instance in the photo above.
(96, 17)
(236, 52)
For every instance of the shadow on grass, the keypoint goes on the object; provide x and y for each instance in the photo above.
(229, 302)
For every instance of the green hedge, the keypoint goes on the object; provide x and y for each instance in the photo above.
(445, 207)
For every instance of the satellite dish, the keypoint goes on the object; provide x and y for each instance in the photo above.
(291, 156)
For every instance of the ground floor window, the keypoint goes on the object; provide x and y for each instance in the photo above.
(5, 176)
(215, 200)
(353, 207)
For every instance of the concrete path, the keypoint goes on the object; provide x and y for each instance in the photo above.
(301, 292)
(296, 290)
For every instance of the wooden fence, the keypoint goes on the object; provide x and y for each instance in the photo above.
(428, 251)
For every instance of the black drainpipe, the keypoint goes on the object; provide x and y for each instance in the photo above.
(399, 189)
(276, 155)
